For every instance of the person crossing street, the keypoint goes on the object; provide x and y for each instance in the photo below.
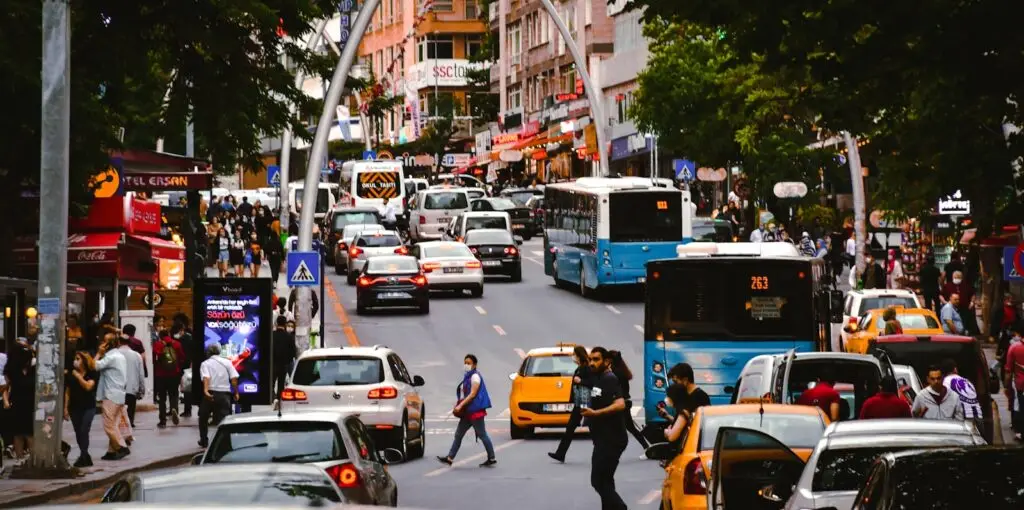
(606, 418)
(473, 403)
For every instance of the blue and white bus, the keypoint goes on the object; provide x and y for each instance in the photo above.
(717, 305)
(600, 232)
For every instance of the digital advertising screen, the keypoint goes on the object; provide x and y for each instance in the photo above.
(235, 314)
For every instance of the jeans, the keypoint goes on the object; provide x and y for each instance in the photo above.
(1017, 417)
(129, 402)
(164, 388)
(632, 428)
(279, 378)
(604, 461)
(81, 421)
(570, 430)
(481, 434)
(219, 407)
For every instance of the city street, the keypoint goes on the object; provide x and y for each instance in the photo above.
(509, 320)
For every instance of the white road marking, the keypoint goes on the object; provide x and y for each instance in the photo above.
(481, 310)
(506, 413)
(535, 261)
(638, 328)
(474, 458)
(538, 254)
(614, 310)
(651, 497)
(520, 352)
(499, 330)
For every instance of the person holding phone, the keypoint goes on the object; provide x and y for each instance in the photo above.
(582, 382)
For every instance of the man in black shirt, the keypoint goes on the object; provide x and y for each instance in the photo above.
(930, 276)
(695, 397)
(284, 353)
(607, 421)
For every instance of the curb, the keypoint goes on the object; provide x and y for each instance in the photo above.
(80, 487)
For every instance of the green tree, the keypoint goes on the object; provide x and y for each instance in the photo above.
(724, 113)
(483, 104)
(434, 138)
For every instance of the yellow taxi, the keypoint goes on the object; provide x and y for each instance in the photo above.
(687, 476)
(541, 390)
(915, 321)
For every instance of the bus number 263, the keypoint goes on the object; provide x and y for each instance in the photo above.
(759, 283)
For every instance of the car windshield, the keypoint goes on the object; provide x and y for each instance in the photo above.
(338, 371)
(844, 470)
(271, 489)
(519, 197)
(322, 199)
(342, 220)
(446, 200)
(498, 222)
(881, 302)
(353, 230)
(391, 266)
(379, 241)
(276, 441)
(561, 365)
(792, 430)
(500, 204)
(488, 237)
(446, 250)
(475, 193)
(917, 322)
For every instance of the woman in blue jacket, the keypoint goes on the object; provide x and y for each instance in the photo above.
(473, 402)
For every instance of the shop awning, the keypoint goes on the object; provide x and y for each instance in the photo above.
(97, 248)
(106, 255)
(162, 249)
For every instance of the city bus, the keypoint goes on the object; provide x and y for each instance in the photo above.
(600, 232)
(717, 305)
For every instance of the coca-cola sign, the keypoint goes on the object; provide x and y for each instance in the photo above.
(92, 256)
(144, 217)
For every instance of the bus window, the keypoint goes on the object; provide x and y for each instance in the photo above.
(645, 217)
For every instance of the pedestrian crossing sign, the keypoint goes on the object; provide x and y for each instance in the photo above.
(303, 269)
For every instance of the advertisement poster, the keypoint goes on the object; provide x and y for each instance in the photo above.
(235, 314)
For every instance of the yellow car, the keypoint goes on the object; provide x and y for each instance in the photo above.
(541, 389)
(915, 321)
(686, 477)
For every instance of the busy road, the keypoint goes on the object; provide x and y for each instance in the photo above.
(510, 319)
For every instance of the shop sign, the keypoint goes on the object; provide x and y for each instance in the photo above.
(483, 143)
(879, 219)
(567, 127)
(167, 181)
(455, 160)
(95, 256)
(530, 129)
(172, 273)
(557, 113)
(579, 106)
(143, 217)
(1013, 264)
(562, 98)
(590, 135)
(442, 73)
(506, 138)
(637, 143)
(424, 160)
(955, 205)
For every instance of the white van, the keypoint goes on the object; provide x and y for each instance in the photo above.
(431, 210)
(474, 220)
(373, 181)
(326, 197)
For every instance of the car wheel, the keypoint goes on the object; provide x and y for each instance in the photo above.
(518, 432)
(350, 278)
(425, 307)
(401, 439)
(517, 273)
(527, 237)
(360, 307)
(477, 291)
(338, 268)
(417, 449)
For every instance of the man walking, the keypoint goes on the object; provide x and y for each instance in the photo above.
(112, 367)
(135, 379)
(168, 357)
(886, 403)
(607, 421)
(936, 402)
(965, 392)
(220, 383)
(472, 406)
(136, 345)
(284, 353)
(952, 323)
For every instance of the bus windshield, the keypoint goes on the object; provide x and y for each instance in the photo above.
(645, 216)
(322, 199)
(717, 299)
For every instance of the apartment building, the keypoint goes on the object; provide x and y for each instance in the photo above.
(630, 151)
(420, 49)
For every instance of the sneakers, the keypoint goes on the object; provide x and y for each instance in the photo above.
(444, 460)
(83, 462)
(203, 443)
(489, 462)
(174, 418)
(557, 457)
(162, 425)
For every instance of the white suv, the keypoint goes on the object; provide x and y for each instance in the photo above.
(370, 381)
(859, 302)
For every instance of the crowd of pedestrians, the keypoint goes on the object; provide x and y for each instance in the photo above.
(243, 237)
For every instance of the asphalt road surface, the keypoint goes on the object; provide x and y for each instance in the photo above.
(510, 319)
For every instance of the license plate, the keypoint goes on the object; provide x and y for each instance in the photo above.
(449, 270)
(490, 263)
(642, 279)
(558, 408)
(395, 295)
(519, 225)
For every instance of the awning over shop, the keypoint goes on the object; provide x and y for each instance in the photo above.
(161, 248)
(107, 255)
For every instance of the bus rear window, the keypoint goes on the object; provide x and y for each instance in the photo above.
(636, 217)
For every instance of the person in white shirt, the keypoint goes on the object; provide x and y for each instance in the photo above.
(113, 370)
(965, 390)
(220, 383)
(757, 235)
(390, 214)
(135, 380)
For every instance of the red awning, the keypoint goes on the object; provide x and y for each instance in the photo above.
(162, 249)
(98, 248)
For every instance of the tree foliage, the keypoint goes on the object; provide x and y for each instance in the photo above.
(929, 84)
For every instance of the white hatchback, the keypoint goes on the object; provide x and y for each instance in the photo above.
(348, 234)
(367, 245)
(450, 266)
(372, 382)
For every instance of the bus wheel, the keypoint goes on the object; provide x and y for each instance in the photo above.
(584, 290)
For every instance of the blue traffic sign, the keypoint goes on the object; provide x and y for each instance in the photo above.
(303, 269)
(48, 306)
(317, 247)
(685, 169)
(273, 175)
(369, 155)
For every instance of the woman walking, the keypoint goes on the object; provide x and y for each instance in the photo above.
(473, 402)
(624, 375)
(20, 397)
(255, 255)
(222, 246)
(80, 403)
(582, 382)
(237, 252)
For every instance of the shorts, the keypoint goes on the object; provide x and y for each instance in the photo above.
(223, 256)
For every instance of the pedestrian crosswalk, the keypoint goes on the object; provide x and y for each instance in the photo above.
(636, 412)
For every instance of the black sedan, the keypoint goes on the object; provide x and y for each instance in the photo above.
(498, 252)
(278, 484)
(522, 216)
(392, 281)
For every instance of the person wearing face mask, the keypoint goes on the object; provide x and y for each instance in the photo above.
(966, 304)
(237, 252)
(472, 406)
(757, 235)
(872, 277)
(80, 403)
(772, 234)
(290, 328)
(580, 392)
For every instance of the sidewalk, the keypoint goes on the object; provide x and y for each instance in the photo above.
(152, 449)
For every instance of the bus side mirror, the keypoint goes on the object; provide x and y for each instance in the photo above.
(836, 306)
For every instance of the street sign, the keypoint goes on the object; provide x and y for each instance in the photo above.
(455, 160)
(686, 170)
(316, 245)
(369, 155)
(48, 306)
(790, 189)
(711, 175)
(1013, 264)
(273, 175)
(303, 269)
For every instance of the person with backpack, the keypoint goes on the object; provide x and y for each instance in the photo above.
(168, 358)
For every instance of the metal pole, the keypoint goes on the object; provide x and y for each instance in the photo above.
(859, 202)
(316, 155)
(595, 95)
(190, 139)
(323, 295)
(436, 87)
(53, 235)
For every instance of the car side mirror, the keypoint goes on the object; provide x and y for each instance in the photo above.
(512, 376)
(659, 451)
(417, 381)
(391, 456)
(519, 240)
(197, 459)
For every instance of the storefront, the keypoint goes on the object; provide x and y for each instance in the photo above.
(631, 155)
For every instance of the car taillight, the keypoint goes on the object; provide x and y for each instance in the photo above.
(473, 265)
(511, 250)
(382, 392)
(693, 478)
(291, 395)
(419, 280)
(423, 220)
(354, 252)
(473, 250)
(342, 246)
(345, 475)
(430, 266)
(363, 281)
(402, 250)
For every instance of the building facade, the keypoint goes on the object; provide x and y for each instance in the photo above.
(630, 152)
